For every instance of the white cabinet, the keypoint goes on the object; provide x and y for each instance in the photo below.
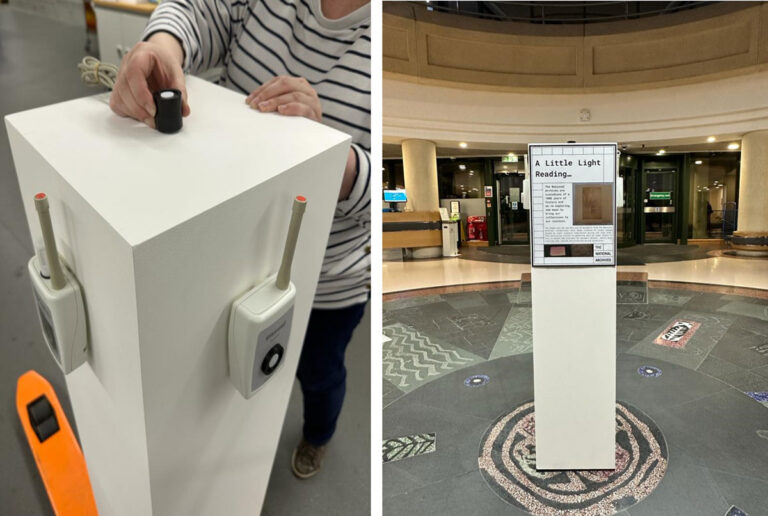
(118, 32)
(163, 233)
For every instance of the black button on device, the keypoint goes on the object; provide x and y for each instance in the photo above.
(46, 429)
(168, 113)
(39, 410)
(272, 359)
(42, 418)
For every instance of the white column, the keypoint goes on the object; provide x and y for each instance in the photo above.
(574, 366)
(420, 175)
(752, 235)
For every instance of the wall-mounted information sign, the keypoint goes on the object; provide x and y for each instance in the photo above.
(573, 204)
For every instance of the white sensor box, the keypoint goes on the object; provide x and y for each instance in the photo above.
(62, 316)
(259, 329)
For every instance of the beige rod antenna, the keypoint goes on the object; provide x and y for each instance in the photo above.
(284, 275)
(54, 265)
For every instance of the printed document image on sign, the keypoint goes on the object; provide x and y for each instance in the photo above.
(592, 204)
(573, 206)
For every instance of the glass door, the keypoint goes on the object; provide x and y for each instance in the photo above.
(659, 203)
(626, 215)
(513, 219)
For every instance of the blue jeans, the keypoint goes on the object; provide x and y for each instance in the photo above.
(321, 371)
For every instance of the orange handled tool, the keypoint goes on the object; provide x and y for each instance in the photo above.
(57, 454)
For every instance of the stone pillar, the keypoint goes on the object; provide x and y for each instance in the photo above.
(420, 175)
(752, 235)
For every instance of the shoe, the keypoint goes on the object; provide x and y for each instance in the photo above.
(307, 459)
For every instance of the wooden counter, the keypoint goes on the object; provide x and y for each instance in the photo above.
(411, 229)
(143, 8)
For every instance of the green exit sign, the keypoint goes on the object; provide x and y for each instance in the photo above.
(509, 159)
(661, 196)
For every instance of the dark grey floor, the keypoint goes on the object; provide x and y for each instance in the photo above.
(343, 486)
(717, 435)
(634, 255)
(38, 59)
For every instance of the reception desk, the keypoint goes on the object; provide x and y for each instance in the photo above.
(413, 229)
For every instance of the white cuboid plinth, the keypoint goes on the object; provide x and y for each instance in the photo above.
(164, 232)
(574, 366)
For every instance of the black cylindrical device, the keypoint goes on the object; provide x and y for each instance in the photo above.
(168, 114)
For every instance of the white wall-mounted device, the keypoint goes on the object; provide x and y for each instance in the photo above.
(58, 297)
(260, 320)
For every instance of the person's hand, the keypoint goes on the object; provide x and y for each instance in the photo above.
(294, 96)
(291, 96)
(150, 66)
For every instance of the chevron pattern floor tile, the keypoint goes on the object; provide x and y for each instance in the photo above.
(412, 359)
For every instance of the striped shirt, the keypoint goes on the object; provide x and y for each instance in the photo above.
(256, 40)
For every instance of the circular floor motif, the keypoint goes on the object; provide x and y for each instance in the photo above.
(476, 380)
(636, 314)
(507, 461)
(649, 371)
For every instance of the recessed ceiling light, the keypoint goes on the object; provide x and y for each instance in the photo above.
(711, 139)
(462, 167)
(698, 162)
(662, 151)
(511, 154)
(733, 146)
(463, 145)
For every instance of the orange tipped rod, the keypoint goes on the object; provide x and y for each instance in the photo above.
(284, 275)
(54, 265)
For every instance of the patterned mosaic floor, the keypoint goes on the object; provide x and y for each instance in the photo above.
(507, 460)
(693, 365)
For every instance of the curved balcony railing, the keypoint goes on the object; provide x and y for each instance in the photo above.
(543, 52)
(562, 12)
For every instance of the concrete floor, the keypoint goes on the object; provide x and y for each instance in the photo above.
(708, 402)
(38, 58)
(718, 270)
(343, 486)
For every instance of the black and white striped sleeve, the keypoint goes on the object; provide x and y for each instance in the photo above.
(203, 27)
(359, 200)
